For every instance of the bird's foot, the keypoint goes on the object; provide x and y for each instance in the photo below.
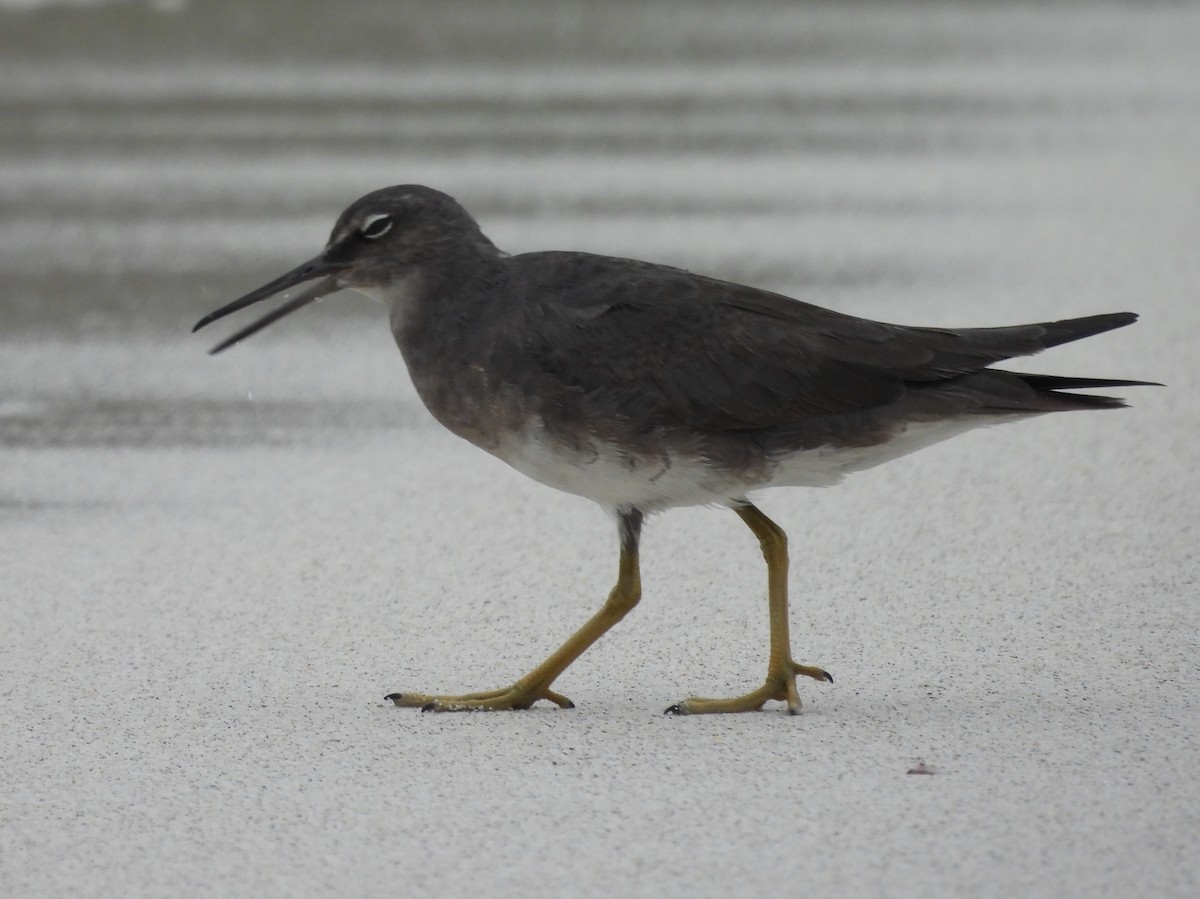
(780, 684)
(518, 696)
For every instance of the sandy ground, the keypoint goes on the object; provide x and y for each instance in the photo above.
(213, 570)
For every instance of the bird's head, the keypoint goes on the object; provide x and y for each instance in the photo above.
(380, 244)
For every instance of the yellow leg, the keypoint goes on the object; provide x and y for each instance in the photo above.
(781, 670)
(536, 684)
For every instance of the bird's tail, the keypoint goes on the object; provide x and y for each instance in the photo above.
(1050, 387)
(1050, 390)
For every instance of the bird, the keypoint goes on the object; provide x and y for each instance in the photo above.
(645, 387)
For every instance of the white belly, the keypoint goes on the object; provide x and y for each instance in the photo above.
(614, 478)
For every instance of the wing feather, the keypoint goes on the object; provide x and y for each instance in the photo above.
(671, 347)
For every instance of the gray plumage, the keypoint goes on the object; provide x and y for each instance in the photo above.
(643, 386)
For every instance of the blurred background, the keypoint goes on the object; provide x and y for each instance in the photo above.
(158, 156)
(930, 163)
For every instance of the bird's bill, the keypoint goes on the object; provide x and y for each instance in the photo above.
(314, 268)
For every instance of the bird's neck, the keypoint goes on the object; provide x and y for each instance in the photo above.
(448, 331)
(427, 306)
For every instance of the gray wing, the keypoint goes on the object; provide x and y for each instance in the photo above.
(671, 347)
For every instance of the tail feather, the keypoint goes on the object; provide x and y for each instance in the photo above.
(959, 371)
(1050, 390)
(1055, 382)
(1051, 386)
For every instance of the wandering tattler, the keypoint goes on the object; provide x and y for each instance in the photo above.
(644, 387)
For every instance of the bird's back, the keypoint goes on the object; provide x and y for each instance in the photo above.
(718, 356)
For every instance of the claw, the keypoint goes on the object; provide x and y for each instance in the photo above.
(815, 673)
(558, 699)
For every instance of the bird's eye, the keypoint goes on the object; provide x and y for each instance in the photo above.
(376, 226)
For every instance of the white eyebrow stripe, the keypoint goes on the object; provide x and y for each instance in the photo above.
(371, 220)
